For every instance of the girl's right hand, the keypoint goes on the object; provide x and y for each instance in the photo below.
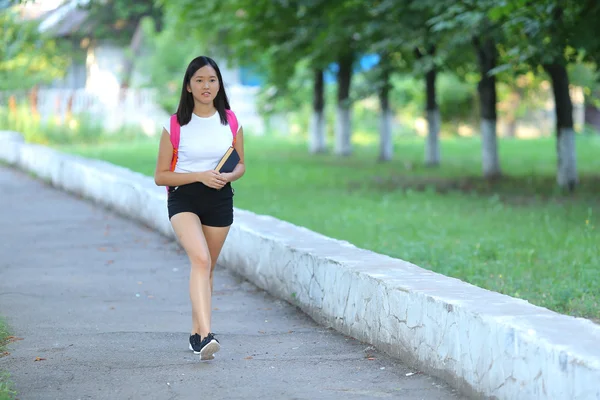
(212, 179)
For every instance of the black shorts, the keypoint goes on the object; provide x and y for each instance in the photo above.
(213, 207)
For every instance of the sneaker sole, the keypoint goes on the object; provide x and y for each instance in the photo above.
(192, 349)
(208, 351)
(197, 352)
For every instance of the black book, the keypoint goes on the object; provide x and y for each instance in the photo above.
(230, 159)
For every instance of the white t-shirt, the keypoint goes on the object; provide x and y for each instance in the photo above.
(202, 143)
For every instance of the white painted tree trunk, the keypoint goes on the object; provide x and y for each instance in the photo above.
(386, 144)
(432, 146)
(567, 158)
(489, 149)
(342, 132)
(317, 140)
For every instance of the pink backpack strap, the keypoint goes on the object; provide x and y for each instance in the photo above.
(174, 132)
(174, 136)
(233, 123)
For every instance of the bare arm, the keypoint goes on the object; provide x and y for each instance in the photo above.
(163, 176)
(239, 169)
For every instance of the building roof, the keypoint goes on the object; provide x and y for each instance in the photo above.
(66, 19)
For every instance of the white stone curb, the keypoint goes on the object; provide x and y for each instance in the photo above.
(481, 342)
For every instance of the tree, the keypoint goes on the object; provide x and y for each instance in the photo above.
(383, 32)
(27, 58)
(386, 147)
(317, 142)
(409, 35)
(298, 46)
(550, 35)
(487, 55)
(274, 37)
(343, 43)
(319, 32)
(468, 23)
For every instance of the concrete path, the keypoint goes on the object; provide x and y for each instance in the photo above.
(101, 305)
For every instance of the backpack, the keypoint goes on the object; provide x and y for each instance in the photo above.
(175, 134)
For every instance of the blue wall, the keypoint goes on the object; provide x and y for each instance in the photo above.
(250, 77)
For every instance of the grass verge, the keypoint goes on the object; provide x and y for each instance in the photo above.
(518, 235)
(6, 389)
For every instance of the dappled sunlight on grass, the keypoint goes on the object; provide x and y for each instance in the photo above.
(360, 138)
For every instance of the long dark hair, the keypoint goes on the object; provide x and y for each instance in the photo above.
(186, 101)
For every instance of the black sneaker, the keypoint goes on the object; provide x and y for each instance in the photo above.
(195, 341)
(208, 347)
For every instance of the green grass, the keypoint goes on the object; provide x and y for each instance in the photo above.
(6, 390)
(519, 235)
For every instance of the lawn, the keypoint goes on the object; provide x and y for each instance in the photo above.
(519, 236)
(6, 391)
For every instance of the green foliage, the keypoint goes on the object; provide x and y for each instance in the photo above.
(170, 51)
(518, 236)
(548, 31)
(275, 36)
(227, 20)
(466, 24)
(587, 76)
(6, 387)
(408, 95)
(287, 40)
(292, 99)
(117, 19)
(456, 100)
(246, 33)
(518, 96)
(78, 129)
(456, 97)
(27, 58)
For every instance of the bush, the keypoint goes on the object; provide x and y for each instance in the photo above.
(82, 128)
(456, 98)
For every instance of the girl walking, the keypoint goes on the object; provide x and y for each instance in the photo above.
(200, 199)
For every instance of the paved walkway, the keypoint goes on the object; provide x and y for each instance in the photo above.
(102, 303)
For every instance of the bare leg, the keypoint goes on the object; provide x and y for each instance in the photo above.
(188, 229)
(215, 238)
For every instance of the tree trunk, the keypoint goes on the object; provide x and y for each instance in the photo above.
(386, 145)
(565, 134)
(317, 142)
(487, 56)
(432, 147)
(511, 128)
(135, 46)
(343, 127)
(514, 101)
(591, 114)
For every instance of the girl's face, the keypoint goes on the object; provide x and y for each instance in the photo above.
(204, 85)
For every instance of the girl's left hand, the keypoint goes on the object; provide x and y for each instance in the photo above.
(227, 176)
